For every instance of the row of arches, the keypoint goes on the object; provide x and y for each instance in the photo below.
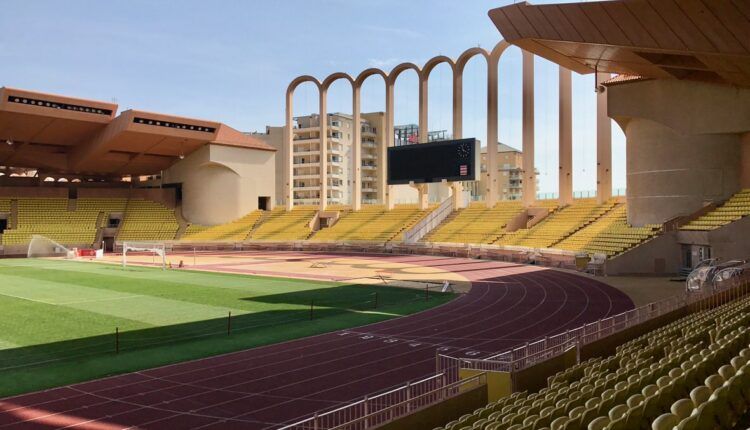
(457, 67)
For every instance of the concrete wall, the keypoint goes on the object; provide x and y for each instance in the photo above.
(223, 183)
(727, 243)
(660, 255)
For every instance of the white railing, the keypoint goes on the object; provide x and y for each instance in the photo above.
(531, 353)
(373, 411)
(432, 220)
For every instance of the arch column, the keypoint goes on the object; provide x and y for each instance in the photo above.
(356, 148)
(529, 174)
(492, 130)
(287, 154)
(323, 109)
(387, 142)
(565, 183)
(423, 107)
(458, 120)
(603, 145)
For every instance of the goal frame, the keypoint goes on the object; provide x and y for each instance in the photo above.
(155, 248)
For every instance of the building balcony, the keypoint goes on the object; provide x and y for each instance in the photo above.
(307, 176)
(369, 190)
(369, 166)
(367, 156)
(307, 188)
(307, 164)
(368, 178)
(300, 140)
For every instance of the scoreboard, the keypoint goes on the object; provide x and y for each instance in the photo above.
(450, 160)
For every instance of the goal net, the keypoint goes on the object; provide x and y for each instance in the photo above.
(41, 246)
(156, 250)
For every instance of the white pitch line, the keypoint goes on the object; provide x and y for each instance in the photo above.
(26, 298)
(98, 300)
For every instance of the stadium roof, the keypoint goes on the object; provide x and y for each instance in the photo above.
(704, 40)
(69, 135)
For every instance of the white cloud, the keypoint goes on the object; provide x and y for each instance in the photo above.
(383, 63)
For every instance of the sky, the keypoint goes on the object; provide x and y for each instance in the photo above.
(232, 60)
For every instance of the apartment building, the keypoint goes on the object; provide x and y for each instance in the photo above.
(340, 171)
(510, 165)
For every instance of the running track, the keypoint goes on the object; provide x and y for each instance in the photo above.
(262, 388)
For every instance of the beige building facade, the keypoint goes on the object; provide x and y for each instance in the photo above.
(340, 166)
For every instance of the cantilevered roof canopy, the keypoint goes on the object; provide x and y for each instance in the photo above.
(68, 135)
(707, 40)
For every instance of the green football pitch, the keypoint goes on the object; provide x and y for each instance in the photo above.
(63, 322)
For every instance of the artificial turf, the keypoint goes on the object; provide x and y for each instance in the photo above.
(58, 318)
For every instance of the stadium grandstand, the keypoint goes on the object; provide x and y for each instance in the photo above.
(182, 274)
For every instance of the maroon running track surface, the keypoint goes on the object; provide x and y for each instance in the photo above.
(509, 304)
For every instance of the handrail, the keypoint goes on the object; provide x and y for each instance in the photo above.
(388, 406)
(429, 222)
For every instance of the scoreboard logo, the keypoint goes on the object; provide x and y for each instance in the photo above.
(463, 170)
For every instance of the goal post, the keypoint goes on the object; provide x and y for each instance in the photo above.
(156, 249)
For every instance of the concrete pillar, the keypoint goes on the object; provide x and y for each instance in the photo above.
(423, 96)
(458, 195)
(745, 161)
(529, 174)
(424, 196)
(491, 191)
(458, 103)
(388, 200)
(323, 149)
(603, 145)
(287, 153)
(672, 174)
(356, 148)
(565, 190)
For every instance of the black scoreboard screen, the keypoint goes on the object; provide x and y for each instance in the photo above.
(450, 160)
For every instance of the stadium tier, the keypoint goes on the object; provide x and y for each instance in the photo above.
(55, 219)
(282, 225)
(610, 235)
(373, 223)
(476, 223)
(690, 374)
(736, 207)
(146, 220)
(558, 225)
(235, 231)
(4, 205)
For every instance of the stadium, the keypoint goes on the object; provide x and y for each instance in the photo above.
(346, 272)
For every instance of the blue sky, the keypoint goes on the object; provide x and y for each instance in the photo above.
(232, 61)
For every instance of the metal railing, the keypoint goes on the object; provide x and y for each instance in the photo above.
(373, 411)
(432, 220)
(531, 353)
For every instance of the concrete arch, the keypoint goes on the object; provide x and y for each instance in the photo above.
(333, 77)
(434, 62)
(287, 149)
(492, 57)
(323, 111)
(467, 55)
(357, 133)
(400, 68)
(362, 77)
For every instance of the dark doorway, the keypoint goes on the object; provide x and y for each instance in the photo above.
(687, 256)
(73, 193)
(263, 202)
(3, 225)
